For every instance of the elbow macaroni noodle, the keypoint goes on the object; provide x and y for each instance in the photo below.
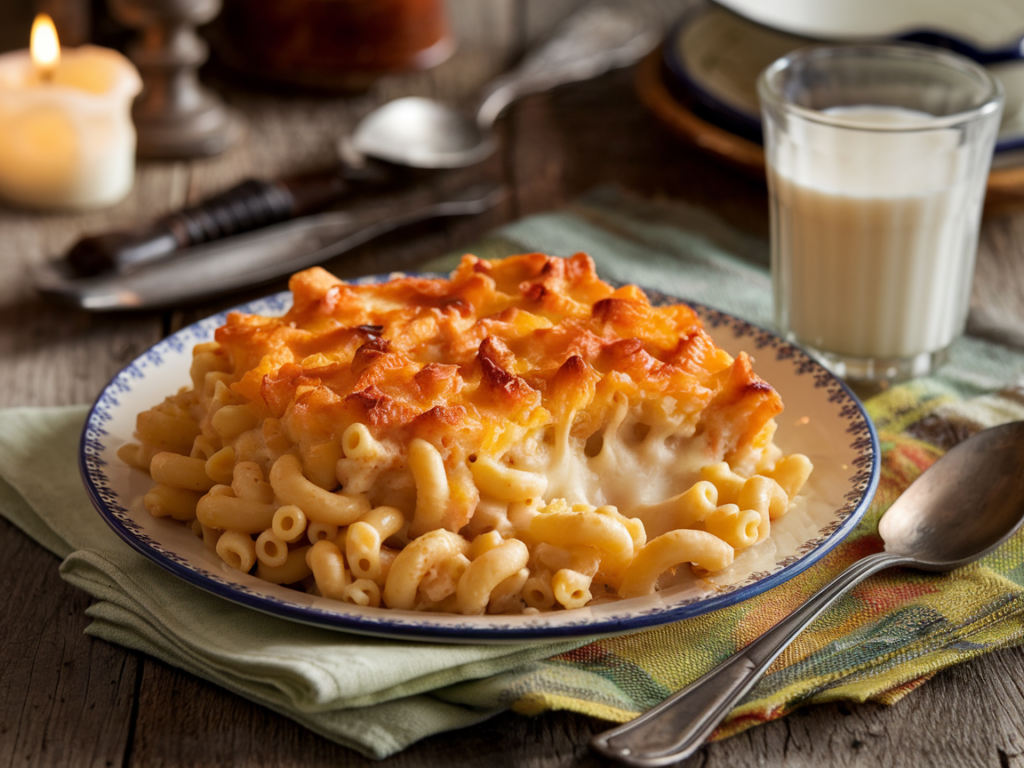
(521, 437)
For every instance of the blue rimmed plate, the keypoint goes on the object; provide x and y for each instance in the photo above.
(714, 56)
(823, 419)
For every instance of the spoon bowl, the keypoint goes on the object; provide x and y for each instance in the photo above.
(963, 507)
(422, 133)
(967, 504)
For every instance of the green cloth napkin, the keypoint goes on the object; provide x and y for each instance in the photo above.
(378, 696)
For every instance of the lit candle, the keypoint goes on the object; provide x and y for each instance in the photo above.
(66, 134)
(45, 47)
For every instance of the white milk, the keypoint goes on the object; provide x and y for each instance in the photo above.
(875, 235)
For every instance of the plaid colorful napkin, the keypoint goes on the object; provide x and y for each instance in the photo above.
(885, 638)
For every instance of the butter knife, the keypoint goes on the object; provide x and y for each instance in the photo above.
(244, 260)
(253, 204)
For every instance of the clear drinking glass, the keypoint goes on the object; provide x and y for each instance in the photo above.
(877, 160)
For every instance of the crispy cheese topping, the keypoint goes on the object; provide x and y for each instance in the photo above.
(478, 362)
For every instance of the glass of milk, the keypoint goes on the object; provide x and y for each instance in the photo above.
(877, 161)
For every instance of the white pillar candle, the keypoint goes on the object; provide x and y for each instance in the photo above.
(66, 134)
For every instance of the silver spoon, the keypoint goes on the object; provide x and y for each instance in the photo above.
(962, 508)
(423, 133)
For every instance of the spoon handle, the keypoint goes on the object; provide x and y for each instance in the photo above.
(676, 728)
(602, 36)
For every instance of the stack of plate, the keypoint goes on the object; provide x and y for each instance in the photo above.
(703, 83)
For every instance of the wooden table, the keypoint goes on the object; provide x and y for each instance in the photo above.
(66, 699)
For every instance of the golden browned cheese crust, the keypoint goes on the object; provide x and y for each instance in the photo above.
(475, 362)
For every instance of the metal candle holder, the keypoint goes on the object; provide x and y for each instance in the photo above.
(175, 115)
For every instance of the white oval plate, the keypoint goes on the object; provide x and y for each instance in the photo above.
(993, 27)
(822, 419)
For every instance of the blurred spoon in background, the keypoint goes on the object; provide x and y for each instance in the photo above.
(424, 133)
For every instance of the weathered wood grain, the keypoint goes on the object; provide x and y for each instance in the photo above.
(65, 700)
(968, 715)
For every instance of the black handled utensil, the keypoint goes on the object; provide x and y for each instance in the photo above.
(245, 260)
(252, 204)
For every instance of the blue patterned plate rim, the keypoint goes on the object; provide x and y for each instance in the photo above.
(551, 626)
(682, 81)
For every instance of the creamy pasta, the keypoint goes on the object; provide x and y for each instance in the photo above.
(518, 437)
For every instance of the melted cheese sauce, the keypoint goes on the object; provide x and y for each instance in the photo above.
(627, 465)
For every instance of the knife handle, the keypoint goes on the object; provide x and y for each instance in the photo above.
(250, 205)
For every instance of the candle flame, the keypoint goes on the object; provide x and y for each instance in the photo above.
(45, 46)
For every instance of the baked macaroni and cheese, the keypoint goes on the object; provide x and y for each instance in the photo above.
(519, 437)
